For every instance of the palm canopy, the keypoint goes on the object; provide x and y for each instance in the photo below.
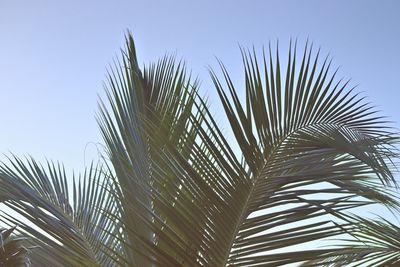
(173, 191)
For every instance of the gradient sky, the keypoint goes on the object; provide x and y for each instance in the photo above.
(54, 54)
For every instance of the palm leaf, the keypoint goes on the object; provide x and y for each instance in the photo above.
(163, 95)
(307, 131)
(67, 228)
(373, 242)
(310, 150)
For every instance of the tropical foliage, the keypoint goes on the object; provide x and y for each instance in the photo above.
(173, 190)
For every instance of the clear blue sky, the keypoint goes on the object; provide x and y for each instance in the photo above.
(54, 54)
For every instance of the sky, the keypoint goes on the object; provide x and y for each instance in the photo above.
(54, 56)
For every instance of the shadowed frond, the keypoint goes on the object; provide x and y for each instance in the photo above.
(12, 252)
(163, 96)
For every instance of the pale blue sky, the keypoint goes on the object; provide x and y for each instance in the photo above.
(54, 54)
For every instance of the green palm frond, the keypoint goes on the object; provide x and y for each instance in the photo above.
(12, 252)
(66, 228)
(311, 149)
(164, 97)
(299, 129)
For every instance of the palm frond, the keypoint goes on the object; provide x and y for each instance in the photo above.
(163, 96)
(67, 228)
(301, 134)
(374, 242)
(311, 150)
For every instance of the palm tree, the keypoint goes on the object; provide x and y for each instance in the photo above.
(174, 191)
